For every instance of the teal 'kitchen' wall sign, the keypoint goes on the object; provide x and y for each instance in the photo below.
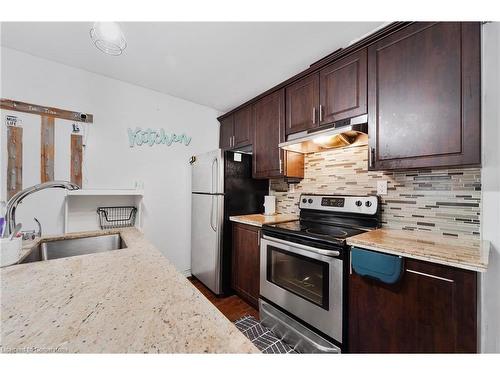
(139, 137)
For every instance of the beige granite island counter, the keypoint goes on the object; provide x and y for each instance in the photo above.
(123, 301)
(470, 255)
(259, 220)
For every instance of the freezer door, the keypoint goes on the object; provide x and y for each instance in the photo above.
(207, 173)
(206, 239)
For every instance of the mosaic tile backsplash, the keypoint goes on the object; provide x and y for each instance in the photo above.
(445, 201)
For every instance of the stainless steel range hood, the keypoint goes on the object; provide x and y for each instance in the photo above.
(349, 132)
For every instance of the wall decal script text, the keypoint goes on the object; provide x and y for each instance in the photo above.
(140, 137)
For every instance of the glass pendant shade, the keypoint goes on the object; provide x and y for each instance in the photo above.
(108, 37)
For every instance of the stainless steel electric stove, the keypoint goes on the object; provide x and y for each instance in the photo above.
(303, 268)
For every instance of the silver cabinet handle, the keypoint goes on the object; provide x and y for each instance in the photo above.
(280, 152)
(314, 115)
(320, 113)
(429, 275)
(371, 157)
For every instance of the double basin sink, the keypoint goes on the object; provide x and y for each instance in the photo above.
(55, 249)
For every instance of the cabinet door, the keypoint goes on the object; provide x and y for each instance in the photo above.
(243, 127)
(343, 91)
(246, 263)
(302, 102)
(226, 133)
(269, 123)
(432, 309)
(442, 306)
(377, 321)
(424, 97)
(294, 165)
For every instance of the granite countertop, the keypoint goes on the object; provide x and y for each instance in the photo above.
(258, 220)
(470, 255)
(123, 301)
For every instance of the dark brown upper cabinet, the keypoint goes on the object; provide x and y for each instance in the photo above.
(424, 97)
(269, 130)
(335, 93)
(302, 102)
(269, 119)
(342, 89)
(226, 132)
(236, 129)
(243, 126)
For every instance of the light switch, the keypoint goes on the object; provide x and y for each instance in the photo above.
(237, 156)
(382, 187)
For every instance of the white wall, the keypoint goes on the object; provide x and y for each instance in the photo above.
(490, 282)
(110, 163)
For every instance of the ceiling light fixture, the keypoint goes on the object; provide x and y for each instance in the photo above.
(108, 38)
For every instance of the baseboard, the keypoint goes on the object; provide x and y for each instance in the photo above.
(187, 273)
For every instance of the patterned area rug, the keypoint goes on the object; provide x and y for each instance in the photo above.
(264, 339)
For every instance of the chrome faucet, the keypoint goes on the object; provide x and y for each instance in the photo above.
(10, 215)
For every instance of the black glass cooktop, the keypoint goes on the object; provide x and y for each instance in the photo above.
(311, 230)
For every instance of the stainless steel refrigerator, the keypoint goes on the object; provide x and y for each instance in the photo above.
(222, 186)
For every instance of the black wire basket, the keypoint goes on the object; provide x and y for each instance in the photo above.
(116, 217)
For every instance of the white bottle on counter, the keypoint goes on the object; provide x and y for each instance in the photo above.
(269, 205)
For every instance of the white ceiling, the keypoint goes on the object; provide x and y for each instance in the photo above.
(220, 65)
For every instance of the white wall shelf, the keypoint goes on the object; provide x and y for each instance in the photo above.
(81, 206)
(114, 192)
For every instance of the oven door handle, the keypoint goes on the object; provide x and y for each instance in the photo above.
(330, 253)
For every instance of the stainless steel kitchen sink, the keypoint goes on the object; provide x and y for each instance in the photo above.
(47, 250)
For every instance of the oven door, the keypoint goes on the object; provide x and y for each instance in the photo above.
(305, 281)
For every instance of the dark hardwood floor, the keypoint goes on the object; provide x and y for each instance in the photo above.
(233, 307)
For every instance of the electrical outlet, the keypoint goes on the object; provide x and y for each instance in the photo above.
(382, 187)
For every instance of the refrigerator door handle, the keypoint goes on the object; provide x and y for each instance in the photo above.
(214, 227)
(212, 189)
(215, 179)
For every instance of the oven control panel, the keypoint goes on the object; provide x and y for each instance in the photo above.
(332, 202)
(367, 205)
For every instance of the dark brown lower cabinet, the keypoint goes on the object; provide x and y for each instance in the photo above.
(246, 262)
(432, 309)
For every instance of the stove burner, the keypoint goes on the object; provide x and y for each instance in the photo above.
(328, 232)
